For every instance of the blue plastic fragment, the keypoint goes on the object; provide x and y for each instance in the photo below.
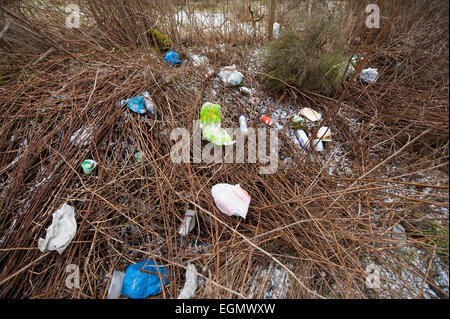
(137, 104)
(139, 283)
(172, 58)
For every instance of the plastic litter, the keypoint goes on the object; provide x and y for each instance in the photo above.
(302, 138)
(190, 285)
(266, 120)
(229, 76)
(318, 145)
(116, 285)
(324, 134)
(61, 231)
(208, 74)
(217, 135)
(148, 102)
(188, 223)
(143, 279)
(172, 58)
(369, 75)
(136, 104)
(210, 122)
(245, 90)
(140, 104)
(276, 29)
(231, 200)
(88, 166)
(310, 114)
(243, 125)
(210, 114)
(199, 60)
(138, 157)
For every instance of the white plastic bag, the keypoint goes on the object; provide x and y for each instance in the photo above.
(61, 231)
(369, 75)
(199, 60)
(230, 77)
(190, 286)
(231, 200)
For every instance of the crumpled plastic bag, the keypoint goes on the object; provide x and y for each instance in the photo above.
(190, 286)
(199, 60)
(172, 58)
(140, 104)
(231, 200)
(369, 75)
(229, 76)
(143, 279)
(217, 135)
(210, 115)
(61, 231)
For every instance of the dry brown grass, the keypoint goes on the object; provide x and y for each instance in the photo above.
(320, 221)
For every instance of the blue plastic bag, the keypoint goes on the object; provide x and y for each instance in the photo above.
(172, 58)
(137, 104)
(139, 284)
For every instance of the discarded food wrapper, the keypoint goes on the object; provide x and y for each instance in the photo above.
(324, 134)
(230, 77)
(88, 166)
(310, 114)
(231, 200)
(369, 75)
(217, 135)
(188, 223)
(146, 278)
(190, 286)
(243, 125)
(61, 231)
(199, 60)
(210, 114)
(266, 120)
(116, 285)
(302, 138)
(245, 90)
(172, 58)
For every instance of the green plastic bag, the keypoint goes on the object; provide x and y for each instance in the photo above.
(210, 115)
(217, 135)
